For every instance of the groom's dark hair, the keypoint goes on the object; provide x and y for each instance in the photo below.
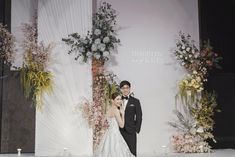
(123, 83)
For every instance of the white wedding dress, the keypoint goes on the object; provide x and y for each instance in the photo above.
(113, 144)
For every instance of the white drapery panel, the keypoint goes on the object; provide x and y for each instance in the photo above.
(59, 125)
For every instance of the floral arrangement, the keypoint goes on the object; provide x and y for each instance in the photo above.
(101, 41)
(195, 119)
(193, 59)
(190, 86)
(103, 86)
(7, 44)
(196, 62)
(35, 77)
(187, 143)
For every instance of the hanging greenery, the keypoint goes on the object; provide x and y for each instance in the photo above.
(35, 77)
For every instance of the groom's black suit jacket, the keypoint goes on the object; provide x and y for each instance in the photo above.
(133, 120)
(133, 116)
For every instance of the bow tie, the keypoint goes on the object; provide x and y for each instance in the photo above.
(125, 97)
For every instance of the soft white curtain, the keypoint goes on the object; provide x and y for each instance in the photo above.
(59, 125)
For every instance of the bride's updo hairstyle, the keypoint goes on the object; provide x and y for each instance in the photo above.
(114, 95)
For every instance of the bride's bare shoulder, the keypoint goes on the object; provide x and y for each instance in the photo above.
(112, 112)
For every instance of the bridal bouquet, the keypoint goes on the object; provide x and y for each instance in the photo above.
(101, 41)
(7, 43)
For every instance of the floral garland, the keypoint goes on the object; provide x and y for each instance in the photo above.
(97, 46)
(195, 119)
(35, 78)
(93, 112)
(7, 44)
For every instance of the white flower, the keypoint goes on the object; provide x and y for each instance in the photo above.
(188, 49)
(97, 32)
(186, 57)
(192, 131)
(183, 47)
(184, 51)
(81, 49)
(106, 54)
(198, 79)
(89, 54)
(84, 41)
(94, 47)
(97, 56)
(111, 33)
(200, 130)
(182, 63)
(97, 41)
(190, 56)
(101, 47)
(181, 56)
(106, 40)
(194, 72)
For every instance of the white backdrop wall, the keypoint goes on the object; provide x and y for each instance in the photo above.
(148, 32)
(60, 125)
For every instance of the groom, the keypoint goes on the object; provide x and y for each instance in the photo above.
(133, 116)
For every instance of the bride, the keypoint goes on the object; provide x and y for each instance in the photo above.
(113, 144)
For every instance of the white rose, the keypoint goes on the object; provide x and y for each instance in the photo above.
(106, 40)
(101, 47)
(106, 54)
(183, 47)
(181, 56)
(190, 56)
(97, 32)
(97, 56)
(194, 72)
(188, 49)
(94, 47)
(186, 57)
(97, 41)
(89, 54)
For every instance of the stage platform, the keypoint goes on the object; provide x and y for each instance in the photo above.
(216, 153)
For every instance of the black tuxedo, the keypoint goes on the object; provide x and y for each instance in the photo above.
(133, 120)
